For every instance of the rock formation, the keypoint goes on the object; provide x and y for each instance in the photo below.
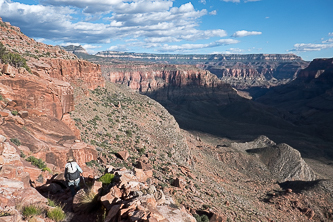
(75, 49)
(241, 71)
(307, 101)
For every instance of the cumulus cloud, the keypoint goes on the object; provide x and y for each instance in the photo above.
(153, 23)
(328, 41)
(330, 34)
(244, 33)
(203, 1)
(214, 12)
(305, 47)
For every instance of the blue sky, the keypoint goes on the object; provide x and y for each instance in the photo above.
(302, 27)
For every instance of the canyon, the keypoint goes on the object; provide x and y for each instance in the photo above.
(182, 143)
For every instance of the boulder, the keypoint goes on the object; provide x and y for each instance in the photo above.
(8, 70)
(23, 114)
(111, 197)
(123, 154)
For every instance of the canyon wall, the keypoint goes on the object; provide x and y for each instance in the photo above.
(47, 88)
(242, 71)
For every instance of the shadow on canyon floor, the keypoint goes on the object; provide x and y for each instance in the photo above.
(241, 120)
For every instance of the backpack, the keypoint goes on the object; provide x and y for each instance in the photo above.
(73, 173)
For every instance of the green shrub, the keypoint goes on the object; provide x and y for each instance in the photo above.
(56, 214)
(36, 162)
(22, 154)
(92, 163)
(47, 169)
(4, 214)
(51, 203)
(128, 133)
(202, 218)
(13, 59)
(88, 202)
(141, 151)
(15, 141)
(14, 112)
(106, 178)
(31, 211)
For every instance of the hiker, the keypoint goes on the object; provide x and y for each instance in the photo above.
(72, 175)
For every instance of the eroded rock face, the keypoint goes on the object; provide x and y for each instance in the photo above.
(125, 200)
(149, 78)
(283, 162)
(15, 187)
(53, 97)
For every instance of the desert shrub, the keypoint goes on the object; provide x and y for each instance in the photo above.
(202, 218)
(92, 163)
(106, 178)
(56, 214)
(88, 202)
(22, 154)
(128, 133)
(14, 112)
(36, 162)
(47, 169)
(51, 203)
(16, 141)
(141, 151)
(31, 210)
(4, 214)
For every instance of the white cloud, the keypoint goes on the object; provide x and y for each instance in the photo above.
(305, 47)
(214, 12)
(188, 47)
(231, 0)
(203, 1)
(330, 34)
(89, 47)
(70, 43)
(118, 48)
(328, 41)
(244, 33)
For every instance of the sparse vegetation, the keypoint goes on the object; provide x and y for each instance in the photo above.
(31, 210)
(56, 214)
(202, 218)
(88, 202)
(14, 59)
(37, 162)
(106, 178)
(14, 112)
(16, 141)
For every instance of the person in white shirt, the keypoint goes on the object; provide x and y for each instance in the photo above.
(72, 174)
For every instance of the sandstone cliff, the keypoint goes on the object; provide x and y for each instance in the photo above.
(52, 69)
(241, 71)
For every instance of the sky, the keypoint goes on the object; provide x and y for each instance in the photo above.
(301, 27)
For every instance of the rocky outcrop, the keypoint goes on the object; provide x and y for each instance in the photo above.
(241, 71)
(75, 49)
(197, 58)
(15, 189)
(307, 101)
(256, 74)
(47, 88)
(149, 78)
(284, 162)
(51, 97)
(320, 69)
(73, 71)
(130, 198)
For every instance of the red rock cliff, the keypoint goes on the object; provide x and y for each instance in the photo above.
(147, 78)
